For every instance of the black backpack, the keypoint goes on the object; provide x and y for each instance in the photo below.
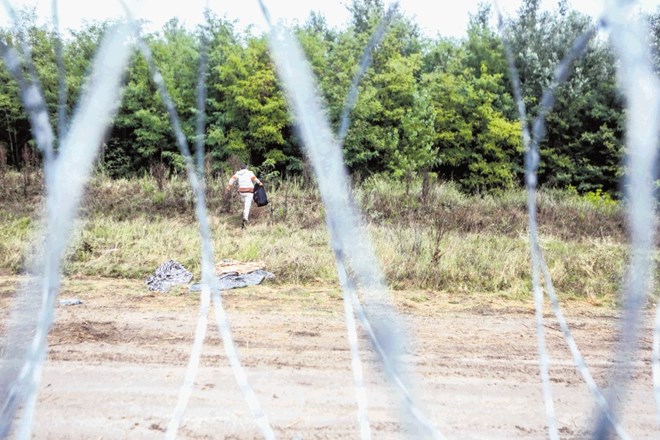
(260, 197)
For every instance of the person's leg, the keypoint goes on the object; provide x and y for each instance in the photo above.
(247, 203)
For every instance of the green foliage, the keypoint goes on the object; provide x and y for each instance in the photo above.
(583, 145)
(424, 105)
(479, 146)
(247, 106)
(599, 199)
(653, 21)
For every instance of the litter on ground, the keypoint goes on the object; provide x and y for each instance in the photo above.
(70, 302)
(169, 274)
(236, 274)
(231, 274)
(232, 266)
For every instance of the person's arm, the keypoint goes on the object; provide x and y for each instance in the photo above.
(257, 181)
(231, 182)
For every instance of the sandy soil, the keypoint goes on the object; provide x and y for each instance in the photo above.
(116, 364)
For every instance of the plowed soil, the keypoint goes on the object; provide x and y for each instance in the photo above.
(116, 364)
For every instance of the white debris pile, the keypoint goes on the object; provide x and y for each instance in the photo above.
(169, 274)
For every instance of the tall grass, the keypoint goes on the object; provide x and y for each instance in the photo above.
(447, 241)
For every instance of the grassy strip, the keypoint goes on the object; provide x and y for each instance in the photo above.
(442, 241)
(412, 257)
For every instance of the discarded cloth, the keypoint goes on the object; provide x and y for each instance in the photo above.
(70, 302)
(169, 274)
(235, 280)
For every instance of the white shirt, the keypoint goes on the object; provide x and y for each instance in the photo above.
(246, 180)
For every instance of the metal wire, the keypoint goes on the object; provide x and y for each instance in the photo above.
(69, 173)
(641, 87)
(344, 223)
(208, 267)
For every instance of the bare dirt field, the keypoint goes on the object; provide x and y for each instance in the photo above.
(116, 364)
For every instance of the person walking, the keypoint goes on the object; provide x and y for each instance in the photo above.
(246, 181)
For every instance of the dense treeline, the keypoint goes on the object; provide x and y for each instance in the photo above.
(425, 105)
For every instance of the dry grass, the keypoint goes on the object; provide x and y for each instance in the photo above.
(462, 245)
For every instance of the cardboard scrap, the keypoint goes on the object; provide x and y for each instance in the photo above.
(238, 267)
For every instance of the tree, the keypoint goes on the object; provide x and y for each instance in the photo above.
(15, 131)
(142, 136)
(248, 110)
(653, 21)
(441, 105)
(583, 144)
(14, 126)
(416, 150)
(479, 147)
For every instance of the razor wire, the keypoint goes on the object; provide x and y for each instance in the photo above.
(351, 100)
(356, 363)
(532, 158)
(351, 301)
(205, 295)
(343, 221)
(193, 365)
(48, 298)
(200, 120)
(345, 283)
(656, 361)
(641, 86)
(23, 322)
(62, 94)
(547, 101)
(207, 260)
(605, 409)
(31, 91)
(641, 221)
(69, 172)
(208, 267)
